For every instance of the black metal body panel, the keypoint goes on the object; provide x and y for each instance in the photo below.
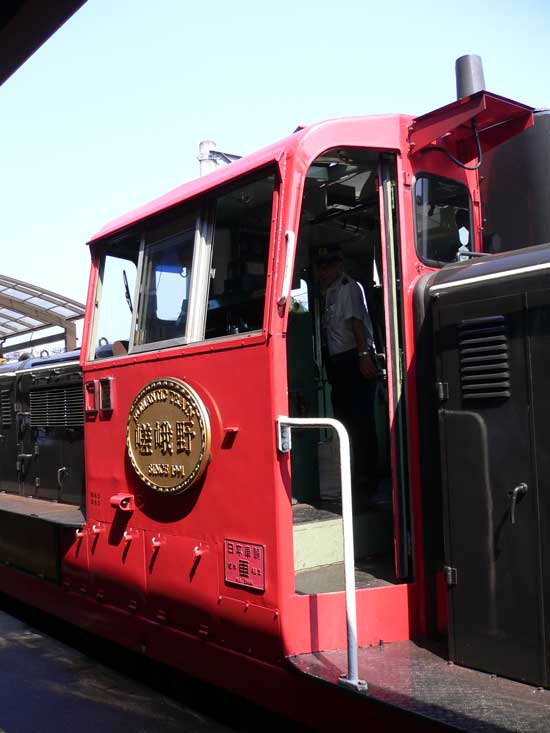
(9, 480)
(490, 323)
(51, 418)
(515, 189)
(496, 266)
(30, 545)
(42, 429)
(41, 461)
(430, 468)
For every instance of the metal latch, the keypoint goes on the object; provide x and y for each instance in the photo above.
(21, 458)
(450, 575)
(61, 474)
(442, 391)
(516, 495)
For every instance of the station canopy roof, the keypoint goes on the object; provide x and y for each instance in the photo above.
(25, 25)
(26, 309)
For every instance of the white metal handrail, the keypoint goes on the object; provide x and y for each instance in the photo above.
(284, 445)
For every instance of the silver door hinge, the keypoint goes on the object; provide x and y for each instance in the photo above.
(442, 391)
(284, 437)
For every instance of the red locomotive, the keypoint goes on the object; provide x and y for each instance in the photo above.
(182, 486)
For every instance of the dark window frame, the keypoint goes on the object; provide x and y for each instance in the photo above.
(262, 173)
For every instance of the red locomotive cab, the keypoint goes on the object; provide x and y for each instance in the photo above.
(201, 338)
(229, 323)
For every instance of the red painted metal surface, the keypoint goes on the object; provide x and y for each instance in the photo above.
(277, 687)
(496, 118)
(317, 622)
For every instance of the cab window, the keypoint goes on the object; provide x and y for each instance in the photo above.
(443, 220)
(240, 248)
(193, 273)
(165, 282)
(114, 305)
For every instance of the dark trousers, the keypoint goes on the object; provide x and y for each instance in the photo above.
(353, 404)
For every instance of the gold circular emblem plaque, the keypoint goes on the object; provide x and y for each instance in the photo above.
(168, 435)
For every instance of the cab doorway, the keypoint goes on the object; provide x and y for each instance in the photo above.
(337, 367)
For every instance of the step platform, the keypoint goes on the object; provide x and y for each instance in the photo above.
(34, 533)
(418, 679)
(66, 515)
(319, 537)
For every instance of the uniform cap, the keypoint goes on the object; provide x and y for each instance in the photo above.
(326, 255)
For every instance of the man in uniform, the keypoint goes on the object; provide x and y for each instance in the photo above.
(348, 350)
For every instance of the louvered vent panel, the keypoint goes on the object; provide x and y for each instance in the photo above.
(57, 407)
(5, 408)
(484, 358)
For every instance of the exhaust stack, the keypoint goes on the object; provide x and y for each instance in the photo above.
(469, 75)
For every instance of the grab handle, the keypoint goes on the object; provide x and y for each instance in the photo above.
(516, 495)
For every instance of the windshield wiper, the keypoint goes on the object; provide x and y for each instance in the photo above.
(127, 291)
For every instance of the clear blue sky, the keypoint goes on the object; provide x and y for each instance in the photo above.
(109, 112)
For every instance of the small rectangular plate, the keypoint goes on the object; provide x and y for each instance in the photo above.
(244, 564)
